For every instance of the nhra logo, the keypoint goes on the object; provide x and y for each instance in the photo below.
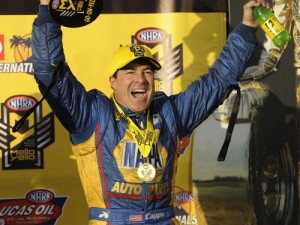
(39, 207)
(40, 196)
(20, 103)
(170, 57)
(151, 35)
(21, 50)
(183, 197)
(184, 208)
(24, 149)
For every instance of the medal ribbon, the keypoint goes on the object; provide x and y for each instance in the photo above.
(143, 138)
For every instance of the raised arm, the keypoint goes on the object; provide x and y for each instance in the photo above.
(203, 96)
(67, 96)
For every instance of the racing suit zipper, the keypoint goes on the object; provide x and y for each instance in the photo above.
(145, 195)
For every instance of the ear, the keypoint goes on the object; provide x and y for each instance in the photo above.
(113, 82)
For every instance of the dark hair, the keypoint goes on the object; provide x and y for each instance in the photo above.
(115, 74)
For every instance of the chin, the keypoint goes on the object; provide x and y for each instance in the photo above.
(139, 109)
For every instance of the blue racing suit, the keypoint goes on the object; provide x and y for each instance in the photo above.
(107, 155)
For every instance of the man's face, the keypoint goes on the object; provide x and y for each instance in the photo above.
(134, 86)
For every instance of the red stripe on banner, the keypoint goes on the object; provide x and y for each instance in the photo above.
(2, 55)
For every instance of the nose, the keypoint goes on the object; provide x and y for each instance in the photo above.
(140, 76)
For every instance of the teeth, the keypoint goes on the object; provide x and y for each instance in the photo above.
(138, 91)
(142, 94)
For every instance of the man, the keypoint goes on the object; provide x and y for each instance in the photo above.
(127, 145)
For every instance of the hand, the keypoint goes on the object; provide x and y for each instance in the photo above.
(44, 2)
(247, 17)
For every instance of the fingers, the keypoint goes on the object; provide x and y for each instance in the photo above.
(255, 3)
(44, 2)
(265, 4)
(248, 17)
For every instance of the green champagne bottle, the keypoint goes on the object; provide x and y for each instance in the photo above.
(271, 26)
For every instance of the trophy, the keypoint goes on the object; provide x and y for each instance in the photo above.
(75, 13)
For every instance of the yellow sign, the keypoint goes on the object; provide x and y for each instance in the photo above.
(186, 44)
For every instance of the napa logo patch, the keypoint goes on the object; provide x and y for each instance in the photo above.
(24, 149)
(132, 157)
(40, 206)
(18, 58)
(129, 158)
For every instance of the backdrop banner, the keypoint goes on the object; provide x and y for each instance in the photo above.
(39, 177)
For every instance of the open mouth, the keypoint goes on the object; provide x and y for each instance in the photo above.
(138, 93)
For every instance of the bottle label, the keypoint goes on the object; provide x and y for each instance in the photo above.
(272, 27)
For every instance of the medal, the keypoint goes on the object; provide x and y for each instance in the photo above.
(146, 172)
(144, 140)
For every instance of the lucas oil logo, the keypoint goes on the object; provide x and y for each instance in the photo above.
(24, 149)
(18, 59)
(40, 206)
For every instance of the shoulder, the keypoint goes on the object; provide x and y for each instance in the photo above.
(159, 95)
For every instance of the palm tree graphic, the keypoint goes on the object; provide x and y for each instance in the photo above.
(21, 46)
